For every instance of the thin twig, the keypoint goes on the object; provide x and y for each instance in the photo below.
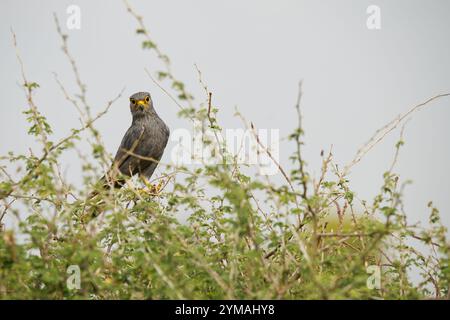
(385, 130)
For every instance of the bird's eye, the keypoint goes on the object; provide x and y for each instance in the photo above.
(147, 99)
(132, 101)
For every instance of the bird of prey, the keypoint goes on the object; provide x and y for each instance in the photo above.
(142, 146)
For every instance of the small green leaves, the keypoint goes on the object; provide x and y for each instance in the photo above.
(39, 123)
(162, 75)
(31, 85)
(5, 188)
(97, 150)
(399, 144)
(148, 45)
(177, 85)
(388, 211)
(349, 196)
(434, 215)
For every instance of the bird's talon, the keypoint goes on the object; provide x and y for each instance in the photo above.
(155, 189)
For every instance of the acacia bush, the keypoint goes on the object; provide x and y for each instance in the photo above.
(245, 237)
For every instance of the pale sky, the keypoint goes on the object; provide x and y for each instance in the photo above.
(252, 55)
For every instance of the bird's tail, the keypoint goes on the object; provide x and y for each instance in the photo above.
(94, 207)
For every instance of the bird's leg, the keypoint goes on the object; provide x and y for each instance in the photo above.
(159, 186)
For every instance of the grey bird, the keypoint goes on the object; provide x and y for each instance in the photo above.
(142, 146)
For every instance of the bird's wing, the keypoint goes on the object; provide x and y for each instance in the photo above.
(122, 159)
(150, 169)
(153, 145)
(128, 146)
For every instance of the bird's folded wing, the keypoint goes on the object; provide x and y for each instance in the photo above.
(126, 150)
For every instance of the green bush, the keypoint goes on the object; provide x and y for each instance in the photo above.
(245, 237)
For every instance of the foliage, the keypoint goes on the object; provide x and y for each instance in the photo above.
(245, 237)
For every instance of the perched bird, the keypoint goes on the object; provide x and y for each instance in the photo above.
(142, 146)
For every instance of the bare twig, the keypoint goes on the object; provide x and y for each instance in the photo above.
(385, 130)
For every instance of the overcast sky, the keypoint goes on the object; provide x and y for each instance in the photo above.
(252, 55)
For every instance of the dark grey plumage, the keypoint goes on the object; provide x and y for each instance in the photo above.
(143, 144)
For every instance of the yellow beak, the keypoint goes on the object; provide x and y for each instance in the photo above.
(141, 102)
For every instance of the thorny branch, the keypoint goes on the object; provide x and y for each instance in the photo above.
(385, 130)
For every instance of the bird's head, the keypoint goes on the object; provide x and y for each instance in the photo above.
(141, 103)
